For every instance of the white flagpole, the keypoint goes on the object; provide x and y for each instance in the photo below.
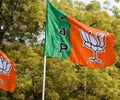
(85, 92)
(44, 69)
(44, 75)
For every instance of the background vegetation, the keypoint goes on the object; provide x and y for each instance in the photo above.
(21, 24)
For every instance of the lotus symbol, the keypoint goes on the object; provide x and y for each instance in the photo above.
(95, 42)
(5, 66)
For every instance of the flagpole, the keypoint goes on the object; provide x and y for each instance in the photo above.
(44, 69)
(85, 92)
(44, 75)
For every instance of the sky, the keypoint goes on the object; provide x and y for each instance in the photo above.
(112, 2)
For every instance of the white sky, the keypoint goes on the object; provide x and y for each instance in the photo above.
(112, 2)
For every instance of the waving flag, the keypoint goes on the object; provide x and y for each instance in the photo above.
(7, 73)
(71, 40)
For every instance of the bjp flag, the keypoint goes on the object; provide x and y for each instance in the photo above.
(7, 73)
(74, 41)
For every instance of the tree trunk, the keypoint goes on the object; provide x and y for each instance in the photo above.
(1, 38)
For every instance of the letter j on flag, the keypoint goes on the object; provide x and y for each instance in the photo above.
(74, 41)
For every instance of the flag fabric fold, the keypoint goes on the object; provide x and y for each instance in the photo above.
(7, 73)
(74, 41)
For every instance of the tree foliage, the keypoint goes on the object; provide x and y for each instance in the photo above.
(21, 22)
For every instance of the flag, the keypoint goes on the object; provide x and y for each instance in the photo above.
(74, 41)
(7, 73)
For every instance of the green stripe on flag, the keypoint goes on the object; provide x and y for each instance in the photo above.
(57, 33)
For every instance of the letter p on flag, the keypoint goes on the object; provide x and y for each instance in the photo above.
(7, 73)
(63, 47)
